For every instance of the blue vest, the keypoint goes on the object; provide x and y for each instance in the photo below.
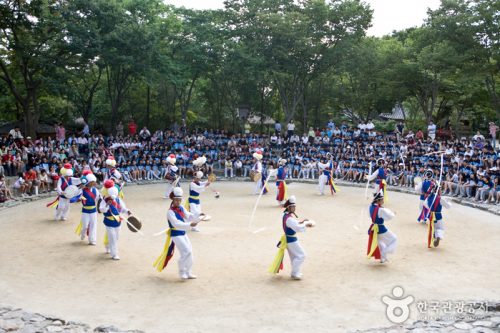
(426, 187)
(109, 219)
(64, 184)
(89, 203)
(281, 175)
(328, 169)
(289, 232)
(376, 219)
(381, 175)
(194, 197)
(174, 232)
(436, 206)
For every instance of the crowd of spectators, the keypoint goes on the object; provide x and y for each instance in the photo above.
(471, 165)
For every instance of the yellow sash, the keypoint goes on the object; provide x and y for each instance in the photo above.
(158, 264)
(278, 259)
(79, 228)
(430, 230)
(374, 244)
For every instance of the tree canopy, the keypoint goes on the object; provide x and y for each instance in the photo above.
(307, 60)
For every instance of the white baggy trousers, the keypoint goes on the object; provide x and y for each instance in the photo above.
(62, 210)
(297, 257)
(89, 221)
(113, 236)
(387, 243)
(183, 244)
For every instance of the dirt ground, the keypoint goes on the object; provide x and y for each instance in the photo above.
(44, 267)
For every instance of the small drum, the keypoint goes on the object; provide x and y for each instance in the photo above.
(72, 192)
(133, 222)
(255, 176)
(212, 178)
(417, 180)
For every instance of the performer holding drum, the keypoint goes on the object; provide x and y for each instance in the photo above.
(112, 206)
(67, 191)
(256, 172)
(89, 198)
(171, 175)
(113, 174)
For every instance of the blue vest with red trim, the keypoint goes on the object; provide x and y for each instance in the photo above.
(64, 184)
(328, 169)
(377, 219)
(381, 175)
(113, 211)
(435, 206)
(289, 232)
(427, 186)
(179, 215)
(89, 200)
(281, 175)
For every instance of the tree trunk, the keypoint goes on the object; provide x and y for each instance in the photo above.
(148, 106)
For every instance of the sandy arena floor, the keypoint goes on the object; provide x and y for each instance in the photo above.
(44, 267)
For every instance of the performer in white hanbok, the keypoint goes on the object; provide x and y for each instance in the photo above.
(425, 188)
(193, 202)
(90, 197)
(291, 225)
(179, 220)
(62, 202)
(112, 207)
(326, 177)
(257, 171)
(434, 204)
(171, 175)
(381, 241)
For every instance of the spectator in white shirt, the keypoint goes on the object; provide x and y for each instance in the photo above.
(290, 128)
(16, 133)
(431, 131)
(305, 139)
(478, 136)
(370, 126)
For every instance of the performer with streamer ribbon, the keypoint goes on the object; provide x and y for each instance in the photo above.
(67, 192)
(381, 241)
(112, 206)
(291, 225)
(434, 204)
(90, 197)
(179, 220)
(281, 195)
(256, 172)
(425, 188)
(380, 174)
(326, 177)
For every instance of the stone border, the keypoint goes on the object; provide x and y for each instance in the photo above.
(493, 209)
(481, 322)
(17, 320)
